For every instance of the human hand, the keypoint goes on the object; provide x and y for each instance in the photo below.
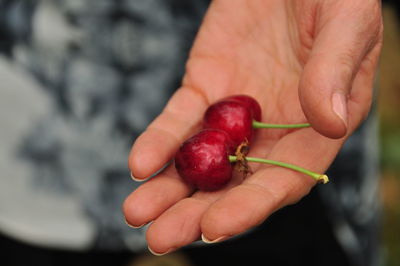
(303, 61)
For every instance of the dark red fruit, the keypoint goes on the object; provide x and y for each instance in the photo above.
(249, 103)
(232, 117)
(202, 160)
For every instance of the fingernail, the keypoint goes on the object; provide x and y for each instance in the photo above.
(339, 105)
(208, 241)
(134, 226)
(136, 179)
(152, 175)
(160, 254)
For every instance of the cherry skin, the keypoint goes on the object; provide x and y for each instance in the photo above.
(232, 117)
(202, 160)
(248, 102)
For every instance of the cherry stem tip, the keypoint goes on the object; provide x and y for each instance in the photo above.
(319, 177)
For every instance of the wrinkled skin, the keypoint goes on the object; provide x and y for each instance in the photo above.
(292, 56)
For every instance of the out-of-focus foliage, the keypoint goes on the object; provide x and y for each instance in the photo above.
(389, 112)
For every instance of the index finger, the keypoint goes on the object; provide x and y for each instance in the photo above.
(159, 142)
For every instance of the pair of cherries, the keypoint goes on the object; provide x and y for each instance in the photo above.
(206, 159)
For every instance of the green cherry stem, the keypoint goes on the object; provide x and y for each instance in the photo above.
(319, 177)
(257, 124)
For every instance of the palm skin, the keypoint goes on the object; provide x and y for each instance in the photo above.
(289, 55)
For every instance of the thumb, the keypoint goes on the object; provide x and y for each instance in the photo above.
(334, 61)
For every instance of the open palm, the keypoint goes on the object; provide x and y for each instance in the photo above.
(303, 61)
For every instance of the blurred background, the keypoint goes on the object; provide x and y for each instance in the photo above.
(388, 102)
(389, 111)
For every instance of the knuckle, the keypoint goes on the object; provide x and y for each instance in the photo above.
(347, 61)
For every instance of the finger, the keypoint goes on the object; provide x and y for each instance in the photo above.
(340, 46)
(361, 97)
(270, 188)
(155, 196)
(177, 227)
(160, 141)
(180, 225)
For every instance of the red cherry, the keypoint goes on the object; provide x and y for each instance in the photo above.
(202, 160)
(248, 102)
(232, 117)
